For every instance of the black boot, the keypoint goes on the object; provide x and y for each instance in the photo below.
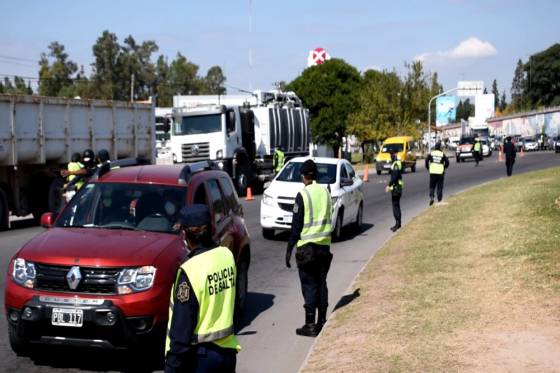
(396, 226)
(308, 329)
(321, 320)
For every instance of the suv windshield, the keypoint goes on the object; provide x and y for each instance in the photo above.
(326, 173)
(125, 206)
(392, 148)
(195, 124)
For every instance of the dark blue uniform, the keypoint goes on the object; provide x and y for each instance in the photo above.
(183, 356)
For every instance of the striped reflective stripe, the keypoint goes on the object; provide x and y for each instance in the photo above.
(316, 235)
(310, 210)
(317, 223)
(209, 337)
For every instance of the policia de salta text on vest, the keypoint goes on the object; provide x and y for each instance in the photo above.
(436, 164)
(311, 234)
(200, 335)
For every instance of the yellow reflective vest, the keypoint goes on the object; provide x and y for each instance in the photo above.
(398, 166)
(212, 275)
(75, 166)
(278, 160)
(477, 146)
(436, 165)
(317, 216)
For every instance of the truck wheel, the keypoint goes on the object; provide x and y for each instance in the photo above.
(4, 212)
(268, 233)
(17, 342)
(337, 231)
(241, 287)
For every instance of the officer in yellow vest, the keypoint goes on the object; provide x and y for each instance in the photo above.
(311, 233)
(200, 331)
(395, 186)
(436, 164)
(278, 159)
(477, 150)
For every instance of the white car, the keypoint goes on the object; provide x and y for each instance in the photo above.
(345, 186)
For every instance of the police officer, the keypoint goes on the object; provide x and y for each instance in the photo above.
(436, 164)
(201, 336)
(510, 152)
(278, 159)
(395, 186)
(82, 174)
(477, 150)
(311, 234)
(74, 165)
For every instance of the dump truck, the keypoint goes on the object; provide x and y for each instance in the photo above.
(38, 136)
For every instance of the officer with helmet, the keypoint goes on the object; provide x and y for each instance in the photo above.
(395, 186)
(81, 174)
(200, 331)
(311, 234)
(436, 164)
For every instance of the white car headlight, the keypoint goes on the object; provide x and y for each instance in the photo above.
(24, 273)
(133, 280)
(268, 200)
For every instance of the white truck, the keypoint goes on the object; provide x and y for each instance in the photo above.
(38, 135)
(240, 132)
(164, 118)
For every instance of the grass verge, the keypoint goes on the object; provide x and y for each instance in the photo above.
(469, 285)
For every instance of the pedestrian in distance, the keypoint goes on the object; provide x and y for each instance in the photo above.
(395, 186)
(510, 152)
(477, 151)
(311, 234)
(200, 334)
(278, 159)
(436, 164)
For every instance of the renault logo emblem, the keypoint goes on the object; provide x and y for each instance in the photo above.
(73, 277)
(195, 149)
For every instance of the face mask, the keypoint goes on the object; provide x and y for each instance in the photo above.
(169, 208)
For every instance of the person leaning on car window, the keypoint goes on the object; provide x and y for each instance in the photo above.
(311, 233)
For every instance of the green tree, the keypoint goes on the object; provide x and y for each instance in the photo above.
(465, 110)
(214, 81)
(329, 91)
(496, 94)
(56, 78)
(105, 69)
(519, 87)
(18, 87)
(543, 74)
(183, 76)
(503, 103)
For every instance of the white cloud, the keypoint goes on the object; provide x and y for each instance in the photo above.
(470, 48)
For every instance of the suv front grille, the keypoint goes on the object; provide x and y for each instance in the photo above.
(195, 152)
(94, 280)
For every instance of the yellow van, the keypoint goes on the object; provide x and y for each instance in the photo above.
(404, 147)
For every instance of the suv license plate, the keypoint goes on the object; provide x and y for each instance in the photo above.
(67, 317)
(288, 219)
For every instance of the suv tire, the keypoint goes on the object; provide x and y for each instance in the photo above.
(17, 342)
(337, 231)
(359, 218)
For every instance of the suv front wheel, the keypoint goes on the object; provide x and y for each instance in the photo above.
(17, 341)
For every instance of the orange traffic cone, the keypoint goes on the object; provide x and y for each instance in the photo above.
(500, 155)
(249, 195)
(522, 151)
(366, 174)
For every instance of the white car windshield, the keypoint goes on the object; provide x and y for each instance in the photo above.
(124, 206)
(326, 173)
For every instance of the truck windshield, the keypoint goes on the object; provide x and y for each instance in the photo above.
(125, 206)
(392, 148)
(326, 173)
(467, 140)
(195, 124)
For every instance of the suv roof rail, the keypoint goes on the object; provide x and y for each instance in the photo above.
(195, 167)
(119, 163)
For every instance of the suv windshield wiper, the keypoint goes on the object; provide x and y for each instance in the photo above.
(119, 226)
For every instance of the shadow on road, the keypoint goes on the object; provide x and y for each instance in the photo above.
(24, 223)
(350, 232)
(346, 299)
(256, 303)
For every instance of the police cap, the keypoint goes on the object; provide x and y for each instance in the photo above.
(308, 168)
(195, 215)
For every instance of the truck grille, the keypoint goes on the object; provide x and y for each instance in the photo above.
(94, 280)
(195, 152)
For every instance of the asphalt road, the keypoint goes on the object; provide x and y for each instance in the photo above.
(275, 304)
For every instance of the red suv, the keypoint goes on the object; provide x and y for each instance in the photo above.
(101, 275)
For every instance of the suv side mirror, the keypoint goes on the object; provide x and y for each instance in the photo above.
(346, 182)
(47, 220)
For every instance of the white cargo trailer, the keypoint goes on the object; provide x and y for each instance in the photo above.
(38, 135)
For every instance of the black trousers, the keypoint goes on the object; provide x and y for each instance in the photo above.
(216, 360)
(396, 201)
(313, 278)
(509, 165)
(436, 181)
(477, 157)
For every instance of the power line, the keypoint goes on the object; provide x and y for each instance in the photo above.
(17, 58)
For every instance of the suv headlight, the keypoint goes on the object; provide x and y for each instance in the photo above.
(133, 280)
(24, 273)
(268, 200)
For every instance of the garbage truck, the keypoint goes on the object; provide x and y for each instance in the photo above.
(38, 136)
(239, 132)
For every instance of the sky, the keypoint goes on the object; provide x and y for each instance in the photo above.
(458, 39)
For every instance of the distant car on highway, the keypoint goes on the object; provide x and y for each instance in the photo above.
(403, 146)
(337, 174)
(530, 144)
(556, 146)
(101, 275)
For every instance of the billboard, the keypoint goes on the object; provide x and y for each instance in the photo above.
(484, 106)
(445, 110)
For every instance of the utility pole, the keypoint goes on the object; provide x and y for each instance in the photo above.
(132, 88)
